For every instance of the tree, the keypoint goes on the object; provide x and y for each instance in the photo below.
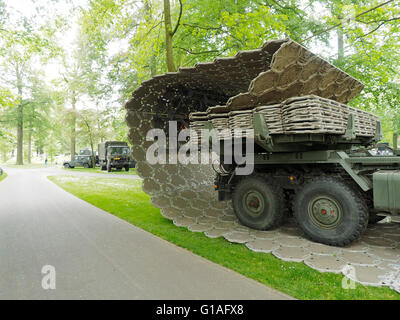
(20, 45)
(122, 43)
(370, 54)
(159, 36)
(75, 84)
(169, 33)
(37, 110)
(87, 121)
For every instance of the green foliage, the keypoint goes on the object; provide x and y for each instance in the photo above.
(7, 99)
(121, 43)
(207, 29)
(373, 56)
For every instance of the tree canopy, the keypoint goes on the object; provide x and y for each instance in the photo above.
(67, 67)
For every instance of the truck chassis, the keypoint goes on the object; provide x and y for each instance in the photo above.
(333, 194)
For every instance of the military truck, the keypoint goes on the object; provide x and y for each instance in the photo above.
(332, 181)
(336, 184)
(114, 154)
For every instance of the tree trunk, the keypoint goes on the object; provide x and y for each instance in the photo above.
(20, 123)
(395, 132)
(168, 37)
(93, 155)
(30, 133)
(20, 135)
(153, 67)
(148, 17)
(340, 44)
(29, 151)
(73, 126)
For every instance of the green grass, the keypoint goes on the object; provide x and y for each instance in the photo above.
(125, 199)
(131, 171)
(3, 176)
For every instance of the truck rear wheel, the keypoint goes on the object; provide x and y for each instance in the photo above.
(330, 212)
(258, 204)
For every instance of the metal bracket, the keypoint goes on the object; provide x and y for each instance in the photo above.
(261, 131)
(213, 135)
(362, 181)
(260, 127)
(350, 132)
(208, 126)
(379, 132)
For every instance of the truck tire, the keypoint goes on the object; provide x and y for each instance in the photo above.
(103, 167)
(329, 211)
(66, 166)
(86, 166)
(108, 167)
(127, 168)
(258, 204)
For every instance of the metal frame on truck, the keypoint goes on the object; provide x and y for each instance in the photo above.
(333, 185)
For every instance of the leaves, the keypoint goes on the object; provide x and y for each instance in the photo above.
(121, 43)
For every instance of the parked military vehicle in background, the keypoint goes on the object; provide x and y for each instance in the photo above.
(79, 161)
(114, 154)
(85, 152)
(132, 163)
(88, 152)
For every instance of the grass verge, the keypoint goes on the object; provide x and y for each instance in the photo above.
(3, 176)
(125, 199)
(131, 171)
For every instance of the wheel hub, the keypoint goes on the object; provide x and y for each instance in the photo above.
(325, 212)
(253, 203)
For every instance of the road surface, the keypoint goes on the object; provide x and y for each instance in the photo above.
(95, 255)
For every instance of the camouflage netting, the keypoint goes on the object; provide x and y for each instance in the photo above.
(252, 79)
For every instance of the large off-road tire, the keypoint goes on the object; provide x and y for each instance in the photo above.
(86, 165)
(103, 167)
(329, 211)
(66, 166)
(258, 203)
(108, 167)
(127, 168)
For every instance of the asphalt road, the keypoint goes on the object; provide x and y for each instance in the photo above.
(96, 255)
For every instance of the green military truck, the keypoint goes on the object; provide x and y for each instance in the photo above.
(333, 184)
(114, 154)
